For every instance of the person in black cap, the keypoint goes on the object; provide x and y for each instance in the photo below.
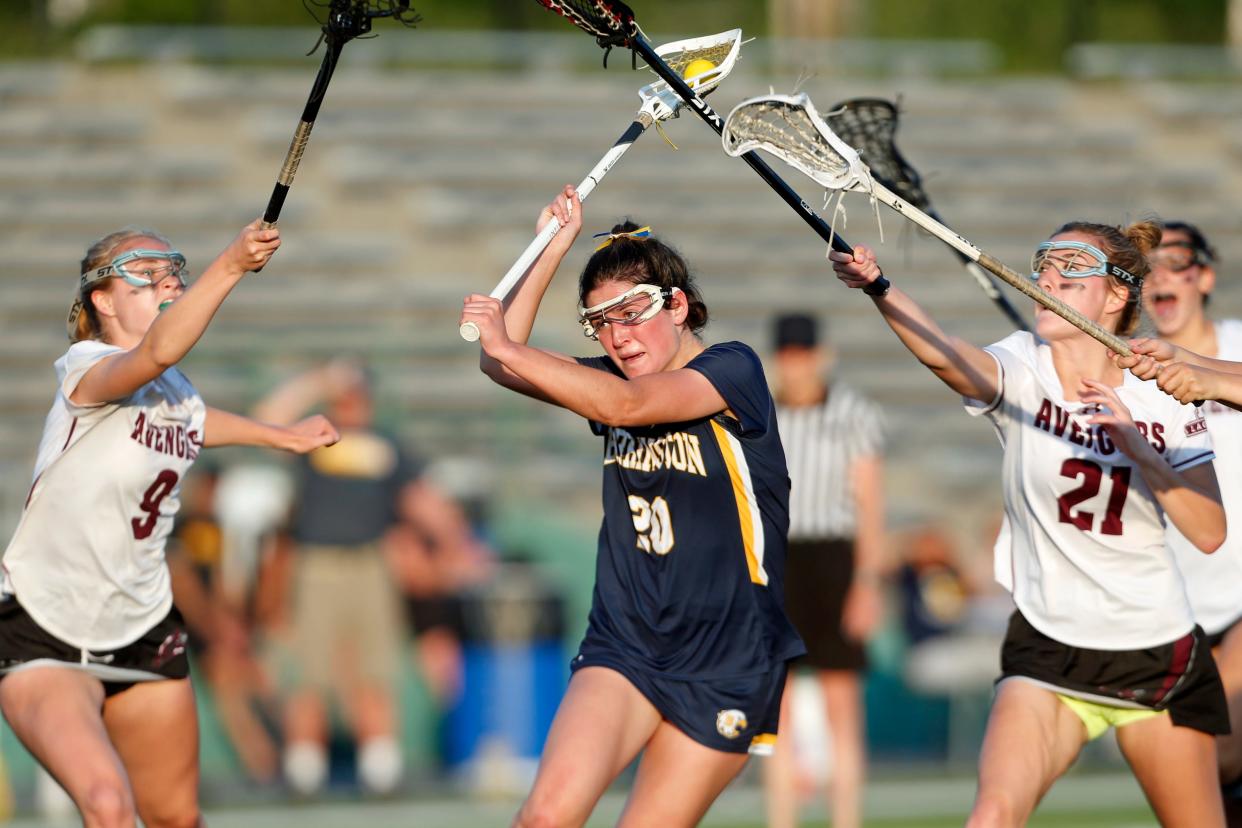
(833, 441)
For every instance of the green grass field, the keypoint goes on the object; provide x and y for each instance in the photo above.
(1082, 800)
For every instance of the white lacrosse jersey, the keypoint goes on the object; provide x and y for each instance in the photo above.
(87, 558)
(1085, 554)
(1214, 581)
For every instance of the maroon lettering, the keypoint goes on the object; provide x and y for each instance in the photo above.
(1157, 437)
(159, 489)
(1063, 420)
(139, 425)
(1092, 474)
(1112, 525)
(1076, 434)
(1044, 418)
(1074, 468)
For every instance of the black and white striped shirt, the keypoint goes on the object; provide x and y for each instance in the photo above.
(822, 441)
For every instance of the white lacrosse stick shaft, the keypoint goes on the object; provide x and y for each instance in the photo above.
(645, 118)
(659, 104)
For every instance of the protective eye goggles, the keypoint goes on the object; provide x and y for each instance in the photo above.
(1078, 260)
(1176, 257)
(634, 307)
(140, 268)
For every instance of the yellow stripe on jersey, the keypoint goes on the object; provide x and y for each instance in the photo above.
(747, 505)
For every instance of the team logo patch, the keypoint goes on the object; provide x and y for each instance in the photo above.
(730, 723)
(173, 645)
(1196, 426)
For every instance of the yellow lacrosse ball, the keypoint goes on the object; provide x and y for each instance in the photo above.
(696, 67)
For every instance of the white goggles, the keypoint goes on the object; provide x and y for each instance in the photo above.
(634, 307)
(1078, 260)
(139, 268)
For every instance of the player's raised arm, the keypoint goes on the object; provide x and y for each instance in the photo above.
(964, 367)
(223, 428)
(514, 317)
(134, 296)
(523, 304)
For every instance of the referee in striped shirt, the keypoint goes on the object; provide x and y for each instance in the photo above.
(833, 444)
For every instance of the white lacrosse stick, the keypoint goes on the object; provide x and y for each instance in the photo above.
(788, 127)
(659, 103)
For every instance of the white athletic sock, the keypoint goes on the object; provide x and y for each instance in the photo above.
(380, 765)
(306, 767)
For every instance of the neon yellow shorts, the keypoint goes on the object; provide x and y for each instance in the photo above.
(1098, 717)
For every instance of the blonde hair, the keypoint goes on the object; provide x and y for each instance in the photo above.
(100, 253)
(1127, 247)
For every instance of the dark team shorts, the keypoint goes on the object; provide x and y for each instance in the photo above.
(817, 577)
(735, 715)
(423, 614)
(161, 653)
(1179, 676)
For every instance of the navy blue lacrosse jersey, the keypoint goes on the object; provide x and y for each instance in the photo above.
(689, 578)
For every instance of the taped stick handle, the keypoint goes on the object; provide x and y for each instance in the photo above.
(470, 331)
(993, 292)
(301, 135)
(704, 110)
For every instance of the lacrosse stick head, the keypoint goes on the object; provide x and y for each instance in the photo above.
(869, 125)
(611, 23)
(347, 19)
(790, 128)
(721, 50)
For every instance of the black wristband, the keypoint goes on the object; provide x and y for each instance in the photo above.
(877, 288)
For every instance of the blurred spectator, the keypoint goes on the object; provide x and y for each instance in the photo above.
(361, 505)
(221, 622)
(433, 556)
(933, 590)
(954, 616)
(833, 442)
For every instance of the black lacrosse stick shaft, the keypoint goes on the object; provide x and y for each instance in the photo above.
(704, 110)
(347, 19)
(302, 134)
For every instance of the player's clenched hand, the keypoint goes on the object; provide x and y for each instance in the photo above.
(566, 208)
(1113, 415)
(309, 434)
(488, 315)
(1188, 383)
(1148, 357)
(253, 247)
(857, 270)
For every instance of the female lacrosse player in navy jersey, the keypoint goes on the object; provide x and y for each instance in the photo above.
(685, 653)
(1095, 460)
(93, 668)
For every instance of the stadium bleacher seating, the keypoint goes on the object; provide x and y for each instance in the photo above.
(422, 184)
